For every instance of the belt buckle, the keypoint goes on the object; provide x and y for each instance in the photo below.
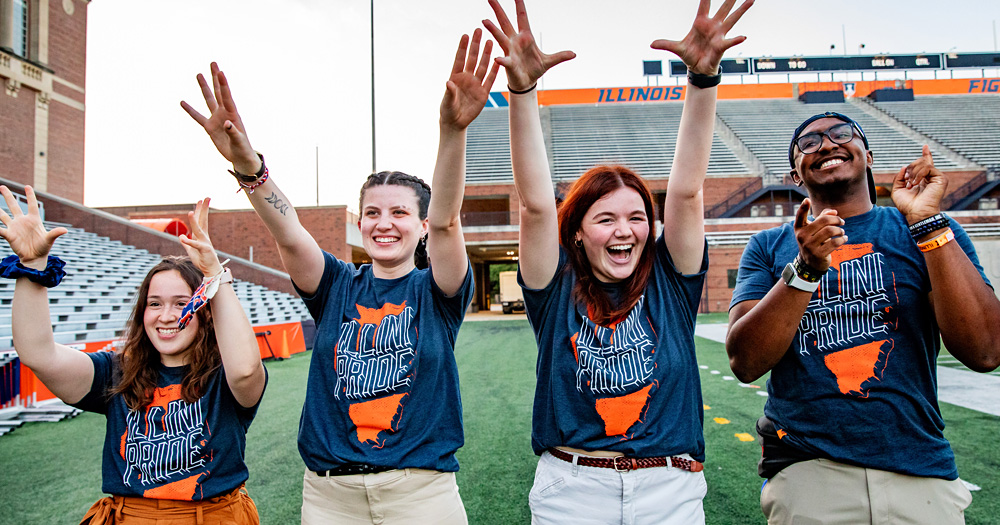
(626, 466)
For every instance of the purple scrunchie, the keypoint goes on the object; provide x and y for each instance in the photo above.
(11, 268)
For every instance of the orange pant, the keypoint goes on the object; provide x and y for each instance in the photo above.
(235, 508)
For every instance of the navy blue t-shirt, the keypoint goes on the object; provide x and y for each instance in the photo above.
(859, 382)
(383, 383)
(631, 387)
(172, 449)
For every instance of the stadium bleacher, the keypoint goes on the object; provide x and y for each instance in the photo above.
(969, 126)
(766, 127)
(93, 303)
(95, 299)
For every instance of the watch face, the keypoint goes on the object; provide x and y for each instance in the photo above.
(788, 274)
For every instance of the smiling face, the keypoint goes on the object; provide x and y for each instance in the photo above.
(391, 227)
(614, 232)
(833, 167)
(168, 294)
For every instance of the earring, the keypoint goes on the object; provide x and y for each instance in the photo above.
(578, 243)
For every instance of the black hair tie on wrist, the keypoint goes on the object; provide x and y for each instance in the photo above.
(526, 91)
(11, 268)
(704, 81)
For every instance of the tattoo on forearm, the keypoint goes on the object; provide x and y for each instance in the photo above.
(278, 204)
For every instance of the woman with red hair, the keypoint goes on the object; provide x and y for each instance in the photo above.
(618, 412)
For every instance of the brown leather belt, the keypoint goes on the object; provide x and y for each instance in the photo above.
(625, 463)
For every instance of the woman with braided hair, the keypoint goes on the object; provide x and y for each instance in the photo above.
(382, 417)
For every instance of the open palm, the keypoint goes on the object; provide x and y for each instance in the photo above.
(702, 48)
(469, 85)
(24, 232)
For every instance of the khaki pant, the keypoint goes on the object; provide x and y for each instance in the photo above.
(395, 497)
(826, 492)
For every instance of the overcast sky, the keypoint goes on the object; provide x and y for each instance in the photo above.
(300, 72)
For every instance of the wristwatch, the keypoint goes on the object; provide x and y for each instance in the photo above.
(791, 278)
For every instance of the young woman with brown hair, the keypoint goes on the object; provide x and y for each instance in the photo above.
(618, 413)
(382, 417)
(180, 393)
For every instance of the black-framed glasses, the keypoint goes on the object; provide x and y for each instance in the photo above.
(812, 142)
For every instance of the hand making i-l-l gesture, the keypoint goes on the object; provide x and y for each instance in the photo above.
(917, 189)
(199, 246)
(524, 62)
(702, 48)
(224, 124)
(469, 85)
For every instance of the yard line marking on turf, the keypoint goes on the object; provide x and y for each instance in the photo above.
(970, 486)
(761, 393)
(703, 367)
(748, 385)
(715, 372)
(721, 420)
(728, 378)
(743, 436)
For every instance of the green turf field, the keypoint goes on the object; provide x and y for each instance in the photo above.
(50, 473)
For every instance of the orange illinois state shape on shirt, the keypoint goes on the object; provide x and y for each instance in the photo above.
(374, 316)
(183, 489)
(377, 415)
(620, 413)
(854, 367)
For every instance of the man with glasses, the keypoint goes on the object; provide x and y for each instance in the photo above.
(838, 306)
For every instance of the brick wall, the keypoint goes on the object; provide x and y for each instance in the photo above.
(68, 41)
(17, 136)
(65, 151)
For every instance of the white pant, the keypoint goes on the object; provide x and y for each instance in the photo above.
(567, 493)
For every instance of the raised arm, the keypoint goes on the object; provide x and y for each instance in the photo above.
(525, 64)
(760, 332)
(965, 307)
(684, 207)
(300, 254)
(68, 373)
(465, 95)
(237, 342)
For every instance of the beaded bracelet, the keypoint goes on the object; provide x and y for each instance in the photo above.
(250, 187)
(704, 81)
(932, 223)
(249, 182)
(937, 242)
(53, 273)
(806, 272)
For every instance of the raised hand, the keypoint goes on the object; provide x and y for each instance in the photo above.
(524, 62)
(818, 238)
(703, 46)
(25, 233)
(199, 246)
(468, 87)
(917, 189)
(223, 124)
